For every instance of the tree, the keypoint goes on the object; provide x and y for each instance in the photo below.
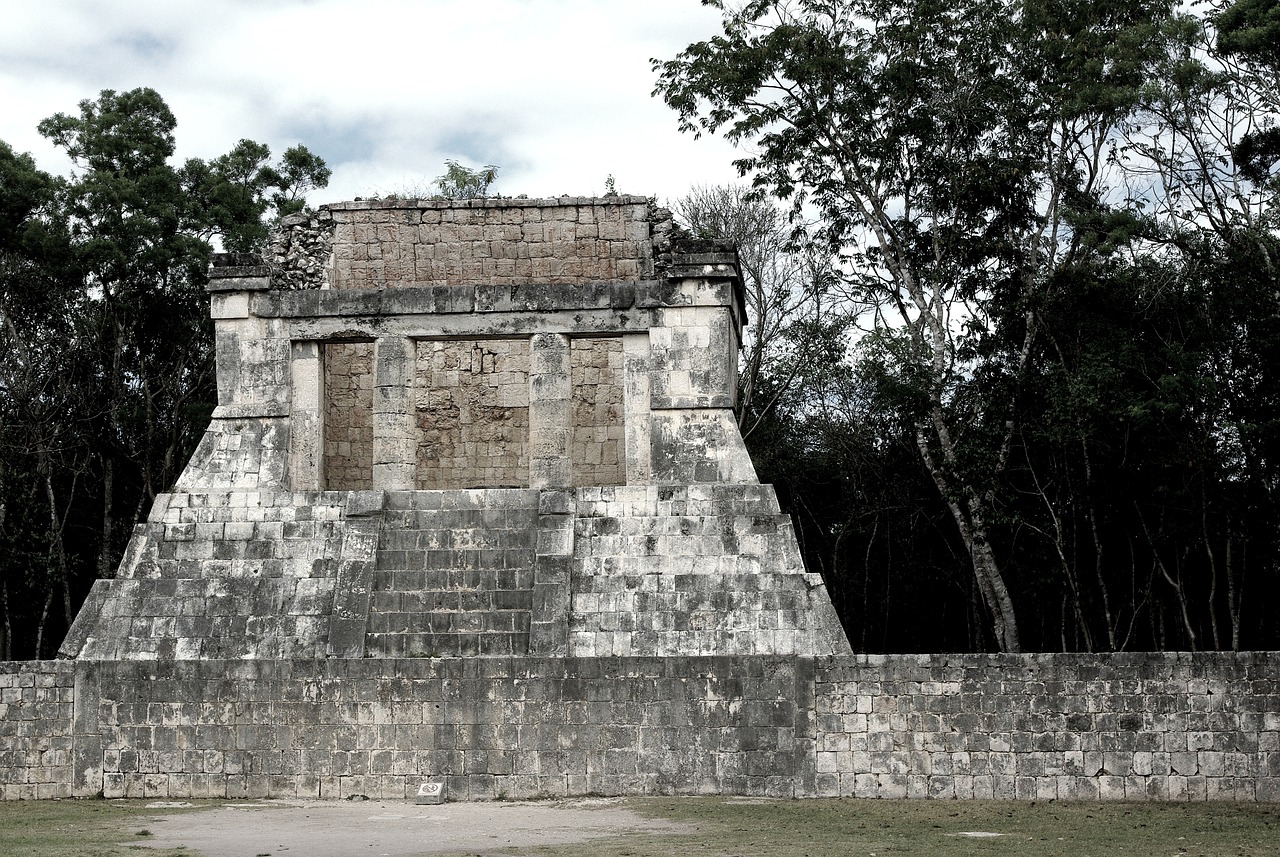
(791, 324)
(102, 308)
(1251, 28)
(1064, 215)
(38, 393)
(459, 182)
(944, 148)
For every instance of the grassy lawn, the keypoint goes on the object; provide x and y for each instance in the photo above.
(82, 828)
(728, 827)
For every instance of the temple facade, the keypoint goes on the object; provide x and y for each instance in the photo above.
(478, 428)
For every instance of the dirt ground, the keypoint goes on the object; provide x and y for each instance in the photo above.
(392, 829)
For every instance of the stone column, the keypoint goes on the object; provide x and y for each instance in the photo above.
(306, 412)
(550, 426)
(552, 571)
(635, 404)
(394, 444)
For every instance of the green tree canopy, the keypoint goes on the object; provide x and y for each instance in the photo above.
(103, 314)
(973, 166)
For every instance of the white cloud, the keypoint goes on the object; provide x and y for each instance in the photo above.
(556, 92)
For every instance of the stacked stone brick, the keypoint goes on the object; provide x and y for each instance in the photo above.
(1178, 726)
(472, 413)
(221, 575)
(692, 570)
(598, 444)
(36, 706)
(1153, 726)
(348, 415)
(423, 242)
(474, 506)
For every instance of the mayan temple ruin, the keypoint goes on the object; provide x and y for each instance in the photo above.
(473, 514)
(487, 428)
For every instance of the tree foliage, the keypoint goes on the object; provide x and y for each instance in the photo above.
(108, 383)
(987, 175)
(459, 182)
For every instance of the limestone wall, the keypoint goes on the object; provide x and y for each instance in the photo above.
(615, 340)
(472, 413)
(496, 242)
(36, 709)
(224, 575)
(597, 448)
(1177, 726)
(348, 416)
(600, 571)
(697, 570)
(1173, 726)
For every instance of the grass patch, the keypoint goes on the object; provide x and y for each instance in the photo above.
(84, 828)
(728, 827)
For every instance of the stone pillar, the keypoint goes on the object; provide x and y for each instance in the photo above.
(394, 444)
(635, 403)
(552, 570)
(306, 411)
(86, 737)
(694, 436)
(550, 426)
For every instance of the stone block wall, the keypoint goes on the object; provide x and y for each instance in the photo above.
(693, 570)
(348, 416)
(246, 453)
(472, 413)
(586, 275)
(494, 242)
(489, 727)
(1173, 726)
(639, 570)
(598, 443)
(1145, 726)
(36, 707)
(221, 575)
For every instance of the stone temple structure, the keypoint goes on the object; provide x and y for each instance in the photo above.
(461, 429)
(473, 512)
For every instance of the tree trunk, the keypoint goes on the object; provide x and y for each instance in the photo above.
(973, 532)
(108, 519)
(44, 616)
(6, 633)
(1233, 596)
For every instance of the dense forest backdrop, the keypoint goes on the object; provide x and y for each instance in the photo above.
(106, 379)
(1015, 316)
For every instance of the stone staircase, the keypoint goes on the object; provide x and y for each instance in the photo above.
(454, 574)
(587, 572)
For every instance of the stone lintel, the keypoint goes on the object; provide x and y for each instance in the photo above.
(251, 280)
(674, 403)
(487, 202)
(251, 410)
(623, 302)
(417, 299)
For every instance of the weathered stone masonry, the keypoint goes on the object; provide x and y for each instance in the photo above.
(473, 506)
(1143, 726)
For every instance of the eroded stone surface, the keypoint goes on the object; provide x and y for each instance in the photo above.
(473, 506)
(1175, 726)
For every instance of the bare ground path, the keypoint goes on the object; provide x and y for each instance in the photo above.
(394, 829)
(649, 826)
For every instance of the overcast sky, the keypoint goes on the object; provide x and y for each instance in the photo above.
(554, 92)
